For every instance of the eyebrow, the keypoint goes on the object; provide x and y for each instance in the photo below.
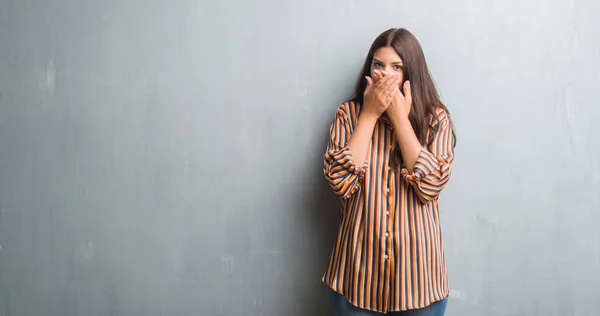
(379, 61)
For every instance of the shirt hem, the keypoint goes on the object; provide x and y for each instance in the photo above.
(340, 292)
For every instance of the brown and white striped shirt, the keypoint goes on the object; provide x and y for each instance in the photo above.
(389, 252)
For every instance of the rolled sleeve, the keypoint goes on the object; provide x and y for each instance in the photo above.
(432, 169)
(339, 166)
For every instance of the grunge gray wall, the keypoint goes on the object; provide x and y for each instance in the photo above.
(164, 157)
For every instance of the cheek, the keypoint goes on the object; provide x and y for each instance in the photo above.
(401, 79)
(396, 72)
(401, 74)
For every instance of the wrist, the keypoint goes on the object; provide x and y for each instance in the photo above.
(368, 118)
(399, 119)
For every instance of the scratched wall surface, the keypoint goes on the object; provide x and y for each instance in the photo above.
(164, 157)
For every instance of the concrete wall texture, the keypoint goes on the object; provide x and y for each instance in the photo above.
(164, 157)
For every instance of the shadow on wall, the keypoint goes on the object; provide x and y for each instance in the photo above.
(323, 216)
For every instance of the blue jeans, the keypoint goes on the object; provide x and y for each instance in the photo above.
(341, 307)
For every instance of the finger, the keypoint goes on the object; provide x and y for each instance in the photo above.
(387, 84)
(390, 80)
(375, 77)
(393, 84)
(388, 99)
(383, 83)
(380, 75)
(391, 96)
(381, 86)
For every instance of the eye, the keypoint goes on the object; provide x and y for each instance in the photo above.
(377, 65)
(398, 67)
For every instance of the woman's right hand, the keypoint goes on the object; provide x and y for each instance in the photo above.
(379, 95)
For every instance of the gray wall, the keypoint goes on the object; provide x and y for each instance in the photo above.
(164, 157)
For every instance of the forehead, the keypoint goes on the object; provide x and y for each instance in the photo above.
(387, 55)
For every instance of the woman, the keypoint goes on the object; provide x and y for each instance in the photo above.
(390, 152)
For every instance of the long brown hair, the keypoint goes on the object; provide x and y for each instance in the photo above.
(425, 98)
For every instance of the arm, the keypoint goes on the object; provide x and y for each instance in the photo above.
(431, 170)
(361, 137)
(345, 152)
(410, 147)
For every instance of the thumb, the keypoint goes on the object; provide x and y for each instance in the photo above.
(407, 93)
(369, 84)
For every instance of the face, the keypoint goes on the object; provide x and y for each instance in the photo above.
(386, 61)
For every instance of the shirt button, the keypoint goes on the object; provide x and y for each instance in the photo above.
(391, 146)
(385, 257)
(387, 190)
(386, 234)
(387, 212)
(388, 168)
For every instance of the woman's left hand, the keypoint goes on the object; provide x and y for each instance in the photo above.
(400, 106)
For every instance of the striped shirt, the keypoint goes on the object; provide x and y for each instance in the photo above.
(389, 252)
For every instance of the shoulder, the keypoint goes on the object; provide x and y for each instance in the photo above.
(441, 116)
(348, 110)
